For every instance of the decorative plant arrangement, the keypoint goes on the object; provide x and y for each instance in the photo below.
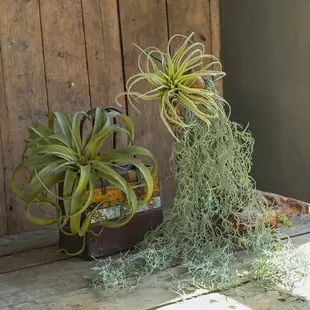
(217, 208)
(57, 155)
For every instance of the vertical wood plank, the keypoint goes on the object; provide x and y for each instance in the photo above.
(215, 27)
(3, 210)
(65, 55)
(201, 17)
(104, 55)
(103, 50)
(185, 17)
(144, 23)
(25, 91)
(216, 34)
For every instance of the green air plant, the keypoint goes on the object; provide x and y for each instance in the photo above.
(172, 80)
(58, 154)
(216, 208)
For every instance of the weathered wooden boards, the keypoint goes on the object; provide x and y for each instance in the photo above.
(145, 24)
(28, 259)
(29, 249)
(103, 48)
(24, 91)
(195, 18)
(65, 55)
(104, 57)
(72, 55)
(216, 35)
(245, 297)
(56, 56)
(45, 282)
(33, 278)
(3, 210)
(20, 245)
(28, 241)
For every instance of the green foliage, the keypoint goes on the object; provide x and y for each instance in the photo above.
(171, 80)
(212, 170)
(212, 162)
(57, 154)
(283, 218)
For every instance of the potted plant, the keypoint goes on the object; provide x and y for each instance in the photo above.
(58, 155)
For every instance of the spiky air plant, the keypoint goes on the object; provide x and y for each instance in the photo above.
(211, 161)
(177, 82)
(57, 154)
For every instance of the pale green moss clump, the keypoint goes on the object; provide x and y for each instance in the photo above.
(211, 161)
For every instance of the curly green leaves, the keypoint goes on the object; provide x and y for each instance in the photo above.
(57, 155)
(171, 78)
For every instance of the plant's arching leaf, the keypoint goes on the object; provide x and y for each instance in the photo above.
(173, 82)
(56, 155)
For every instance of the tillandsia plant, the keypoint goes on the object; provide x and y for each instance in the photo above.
(216, 208)
(177, 82)
(57, 154)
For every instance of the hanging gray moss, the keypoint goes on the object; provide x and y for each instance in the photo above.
(212, 166)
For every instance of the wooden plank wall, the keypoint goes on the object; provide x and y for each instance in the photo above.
(70, 55)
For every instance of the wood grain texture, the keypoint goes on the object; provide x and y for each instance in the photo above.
(261, 299)
(32, 284)
(245, 297)
(3, 208)
(145, 295)
(25, 91)
(79, 63)
(201, 17)
(215, 28)
(65, 55)
(104, 57)
(28, 259)
(140, 25)
(103, 51)
(28, 241)
(216, 34)
(64, 285)
(185, 17)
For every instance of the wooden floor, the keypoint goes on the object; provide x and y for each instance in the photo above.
(34, 275)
